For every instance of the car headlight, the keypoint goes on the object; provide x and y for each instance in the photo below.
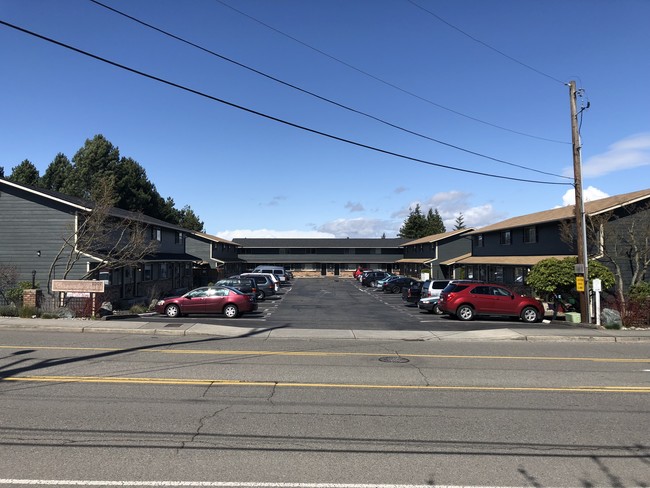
(160, 302)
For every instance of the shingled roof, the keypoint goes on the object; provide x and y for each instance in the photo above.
(593, 207)
(437, 237)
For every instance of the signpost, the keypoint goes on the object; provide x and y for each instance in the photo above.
(79, 286)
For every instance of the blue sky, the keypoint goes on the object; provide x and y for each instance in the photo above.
(485, 76)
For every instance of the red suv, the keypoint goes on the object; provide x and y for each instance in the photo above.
(466, 300)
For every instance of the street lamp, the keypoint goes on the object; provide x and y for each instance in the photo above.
(33, 279)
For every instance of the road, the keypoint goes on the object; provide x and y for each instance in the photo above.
(135, 410)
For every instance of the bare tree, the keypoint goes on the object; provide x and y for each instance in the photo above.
(8, 278)
(117, 239)
(619, 238)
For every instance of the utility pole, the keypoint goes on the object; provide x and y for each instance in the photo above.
(582, 281)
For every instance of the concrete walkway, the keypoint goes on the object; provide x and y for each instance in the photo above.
(554, 332)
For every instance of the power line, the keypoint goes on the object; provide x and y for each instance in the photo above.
(486, 44)
(340, 105)
(387, 83)
(270, 117)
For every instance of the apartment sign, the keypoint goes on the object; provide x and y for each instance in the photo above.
(78, 286)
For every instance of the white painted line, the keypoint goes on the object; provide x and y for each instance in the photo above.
(222, 484)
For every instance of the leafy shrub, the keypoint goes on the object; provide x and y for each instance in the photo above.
(26, 312)
(16, 294)
(8, 311)
(137, 309)
(48, 315)
(640, 291)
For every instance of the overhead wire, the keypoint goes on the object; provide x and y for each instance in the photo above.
(322, 98)
(270, 117)
(387, 83)
(475, 39)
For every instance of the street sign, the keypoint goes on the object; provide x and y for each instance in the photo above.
(580, 283)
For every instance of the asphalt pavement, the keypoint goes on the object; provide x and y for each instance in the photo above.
(555, 331)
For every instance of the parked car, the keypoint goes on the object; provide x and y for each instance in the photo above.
(389, 277)
(433, 288)
(430, 304)
(413, 292)
(208, 299)
(370, 278)
(277, 271)
(266, 287)
(466, 300)
(396, 284)
(244, 284)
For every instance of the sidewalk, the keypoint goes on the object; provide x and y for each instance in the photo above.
(556, 331)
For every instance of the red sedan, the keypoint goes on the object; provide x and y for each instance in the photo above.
(209, 299)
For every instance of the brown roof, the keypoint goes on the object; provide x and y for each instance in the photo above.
(210, 237)
(437, 237)
(504, 260)
(593, 207)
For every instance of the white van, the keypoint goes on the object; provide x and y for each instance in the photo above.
(277, 271)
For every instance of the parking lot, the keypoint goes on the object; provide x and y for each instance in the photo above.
(342, 303)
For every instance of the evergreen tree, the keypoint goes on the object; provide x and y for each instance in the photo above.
(434, 223)
(57, 173)
(2, 171)
(189, 220)
(415, 224)
(25, 174)
(135, 192)
(97, 159)
(460, 222)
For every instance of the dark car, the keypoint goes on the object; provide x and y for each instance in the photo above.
(412, 293)
(466, 300)
(370, 278)
(265, 285)
(396, 284)
(208, 299)
(246, 285)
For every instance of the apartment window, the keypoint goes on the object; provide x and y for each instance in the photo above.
(163, 271)
(178, 238)
(506, 237)
(478, 240)
(156, 234)
(530, 235)
(147, 272)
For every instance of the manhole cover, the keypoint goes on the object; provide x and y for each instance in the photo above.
(393, 359)
(173, 325)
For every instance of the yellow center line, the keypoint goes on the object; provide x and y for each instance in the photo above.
(326, 354)
(277, 384)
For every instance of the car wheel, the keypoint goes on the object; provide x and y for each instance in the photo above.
(261, 295)
(373, 284)
(465, 312)
(231, 311)
(530, 315)
(172, 310)
(395, 289)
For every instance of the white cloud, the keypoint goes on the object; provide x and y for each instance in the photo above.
(354, 207)
(449, 205)
(479, 216)
(588, 194)
(269, 233)
(631, 152)
(360, 227)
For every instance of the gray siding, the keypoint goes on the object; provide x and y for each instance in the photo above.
(29, 224)
(548, 243)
